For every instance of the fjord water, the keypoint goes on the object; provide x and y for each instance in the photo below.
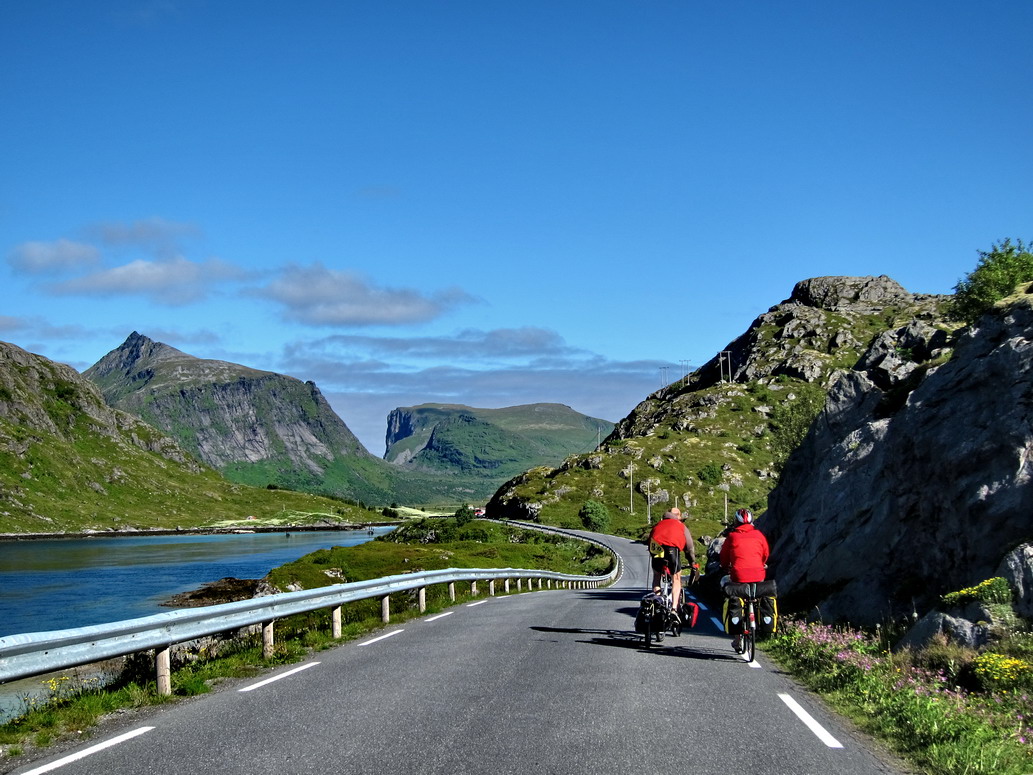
(56, 584)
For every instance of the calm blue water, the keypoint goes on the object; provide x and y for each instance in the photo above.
(55, 584)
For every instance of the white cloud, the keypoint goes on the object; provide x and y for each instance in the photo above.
(171, 282)
(54, 257)
(317, 296)
(467, 345)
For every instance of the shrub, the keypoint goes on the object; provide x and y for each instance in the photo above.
(710, 474)
(999, 270)
(1001, 672)
(594, 516)
(995, 590)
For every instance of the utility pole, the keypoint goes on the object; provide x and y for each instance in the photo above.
(649, 503)
(725, 357)
(631, 484)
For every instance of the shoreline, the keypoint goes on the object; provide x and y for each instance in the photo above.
(135, 533)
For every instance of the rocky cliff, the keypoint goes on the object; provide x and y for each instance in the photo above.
(915, 479)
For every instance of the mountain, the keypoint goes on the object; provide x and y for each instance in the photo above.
(255, 427)
(718, 439)
(917, 478)
(262, 428)
(71, 463)
(496, 443)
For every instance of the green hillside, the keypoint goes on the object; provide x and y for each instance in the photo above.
(490, 443)
(717, 440)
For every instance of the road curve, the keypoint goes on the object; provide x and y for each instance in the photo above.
(545, 682)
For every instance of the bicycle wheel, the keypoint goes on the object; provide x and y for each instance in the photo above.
(749, 638)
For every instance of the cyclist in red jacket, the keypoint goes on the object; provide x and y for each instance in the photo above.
(673, 536)
(744, 554)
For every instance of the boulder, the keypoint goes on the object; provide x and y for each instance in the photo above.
(1017, 568)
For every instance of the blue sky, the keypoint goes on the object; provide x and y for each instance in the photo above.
(490, 203)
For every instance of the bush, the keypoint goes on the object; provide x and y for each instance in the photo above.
(463, 515)
(995, 590)
(710, 474)
(998, 272)
(595, 516)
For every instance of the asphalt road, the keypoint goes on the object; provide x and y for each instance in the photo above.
(544, 682)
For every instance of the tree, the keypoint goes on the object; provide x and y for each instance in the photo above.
(464, 514)
(999, 270)
(595, 516)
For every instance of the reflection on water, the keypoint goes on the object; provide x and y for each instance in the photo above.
(73, 582)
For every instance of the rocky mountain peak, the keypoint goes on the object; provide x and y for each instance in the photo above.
(849, 293)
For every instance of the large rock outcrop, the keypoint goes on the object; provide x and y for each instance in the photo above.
(915, 478)
(255, 426)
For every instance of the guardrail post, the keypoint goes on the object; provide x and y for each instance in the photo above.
(452, 591)
(267, 639)
(423, 599)
(335, 622)
(385, 609)
(539, 582)
(506, 586)
(473, 588)
(491, 587)
(163, 665)
(520, 585)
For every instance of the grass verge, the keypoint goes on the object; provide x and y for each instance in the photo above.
(947, 709)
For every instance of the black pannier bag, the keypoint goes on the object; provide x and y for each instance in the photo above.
(767, 606)
(733, 615)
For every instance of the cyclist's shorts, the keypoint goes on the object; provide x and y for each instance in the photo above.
(671, 559)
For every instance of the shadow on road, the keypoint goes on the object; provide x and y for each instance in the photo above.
(632, 640)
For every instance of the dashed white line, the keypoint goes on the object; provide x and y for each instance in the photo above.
(87, 751)
(382, 637)
(479, 602)
(277, 677)
(439, 616)
(812, 725)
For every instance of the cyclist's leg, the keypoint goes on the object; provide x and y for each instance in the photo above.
(676, 592)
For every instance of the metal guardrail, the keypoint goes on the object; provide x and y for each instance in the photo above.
(31, 654)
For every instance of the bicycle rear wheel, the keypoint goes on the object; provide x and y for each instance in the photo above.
(749, 638)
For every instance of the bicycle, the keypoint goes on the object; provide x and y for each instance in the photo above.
(657, 615)
(751, 595)
(748, 638)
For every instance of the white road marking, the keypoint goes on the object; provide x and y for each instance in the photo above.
(812, 725)
(439, 616)
(87, 751)
(479, 602)
(718, 623)
(277, 677)
(382, 637)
